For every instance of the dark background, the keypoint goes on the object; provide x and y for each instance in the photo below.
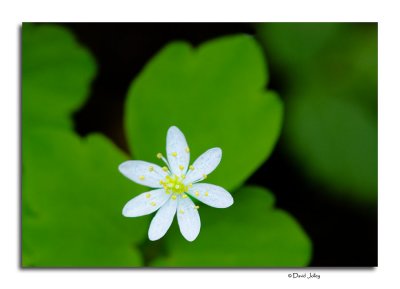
(341, 236)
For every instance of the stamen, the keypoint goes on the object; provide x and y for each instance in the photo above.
(190, 185)
(165, 169)
(153, 204)
(206, 194)
(161, 157)
(196, 207)
(151, 168)
(181, 167)
(184, 196)
(183, 176)
(173, 197)
(187, 149)
(148, 195)
(181, 211)
(174, 154)
(191, 167)
(197, 193)
(204, 176)
(141, 178)
(174, 184)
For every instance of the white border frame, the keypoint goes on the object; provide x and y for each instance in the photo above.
(14, 13)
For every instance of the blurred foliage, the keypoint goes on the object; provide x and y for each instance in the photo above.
(73, 194)
(249, 234)
(330, 91)
(56, 73)
(215, 94)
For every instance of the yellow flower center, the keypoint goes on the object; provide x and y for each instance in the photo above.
(173, 184)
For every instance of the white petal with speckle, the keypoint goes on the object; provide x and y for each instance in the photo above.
(177, 151)
(162, 220)
(143, 173)
(212, 195)
(204, 165)
(145, 203)
(188, 219)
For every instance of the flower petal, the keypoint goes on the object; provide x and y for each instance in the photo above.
(204, 165)
(211, 195)
(177, 151)
(188, 219)
(162, 220)
(143, 173)
(145, 203)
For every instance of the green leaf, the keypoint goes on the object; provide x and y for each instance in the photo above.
(330, 79)
(251, 233)
(56, 73)
(72, 192)
(75, 196)
(215, 94)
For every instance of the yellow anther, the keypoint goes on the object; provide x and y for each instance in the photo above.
(197, 193)
(206, 194)
(159, 156)
(184, 196)
(161, 182)
(190, 185)
(183, 176)
(174, 184)
(153, 204)
(173, 197)
(191, 168)
(181, 167)
(148, 195)
(196, 207)
(141, 178)
(174, 154)
(151, 168)
(204, 176)
(165, 169)
(187, 149)
(181, 211)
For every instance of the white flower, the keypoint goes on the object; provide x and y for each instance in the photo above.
(174, 185)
